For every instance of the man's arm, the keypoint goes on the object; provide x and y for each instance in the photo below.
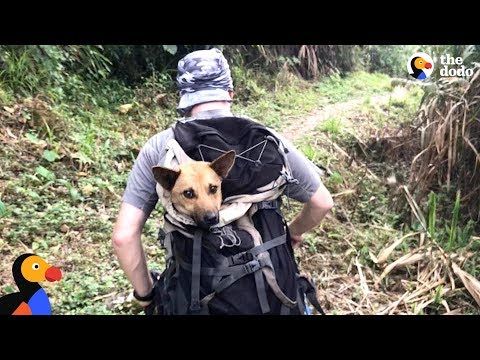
(139, 199)
(311, 215)
(127, 243)
(309, 190)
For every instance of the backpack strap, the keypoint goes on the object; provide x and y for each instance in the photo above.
(250, 267)
(165, 239)
(284, 310)
(176, 153)
(260, 251)
(255, 260)
(261, 292)
(196, 264)
(250, 254)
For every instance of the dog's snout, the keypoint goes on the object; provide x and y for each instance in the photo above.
(207, 220)
(210, 218)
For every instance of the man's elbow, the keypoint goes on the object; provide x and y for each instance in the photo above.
(128, 227)
(322, 199)
(121, 238)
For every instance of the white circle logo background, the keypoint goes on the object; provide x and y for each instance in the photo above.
(427, 57)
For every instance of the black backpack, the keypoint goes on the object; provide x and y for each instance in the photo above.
(224, 272)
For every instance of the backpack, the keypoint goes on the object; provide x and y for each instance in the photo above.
(245, 264)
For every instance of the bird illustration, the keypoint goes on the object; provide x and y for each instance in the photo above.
(28, 270)
(418, 65)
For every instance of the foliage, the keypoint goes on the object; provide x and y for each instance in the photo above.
(388, 59)
(338, 88)
(27, 69)
(446, 136)
(73, 119)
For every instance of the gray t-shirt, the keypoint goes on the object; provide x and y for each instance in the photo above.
(141, 186)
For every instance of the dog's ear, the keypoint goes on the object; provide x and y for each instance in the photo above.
(165, 177)
(223, 164)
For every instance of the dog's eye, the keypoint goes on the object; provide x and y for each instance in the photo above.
(189, 194)
(213, 189)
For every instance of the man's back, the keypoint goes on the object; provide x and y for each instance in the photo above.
(141, 186)
(206, 91)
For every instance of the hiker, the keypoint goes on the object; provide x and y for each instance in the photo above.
(206, 92)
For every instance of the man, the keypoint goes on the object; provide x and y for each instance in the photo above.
(206, 91)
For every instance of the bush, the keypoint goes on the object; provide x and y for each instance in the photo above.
(133, 63)
(389, 59)
(24, 70)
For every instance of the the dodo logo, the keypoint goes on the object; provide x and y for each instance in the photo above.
(420, 66)
(28, 271)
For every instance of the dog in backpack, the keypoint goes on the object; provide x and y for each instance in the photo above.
(196, 187)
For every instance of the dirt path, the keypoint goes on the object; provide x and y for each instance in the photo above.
(301, 126)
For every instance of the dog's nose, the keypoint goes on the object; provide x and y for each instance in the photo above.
(210, 218)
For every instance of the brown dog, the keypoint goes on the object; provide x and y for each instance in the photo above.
(195, 187)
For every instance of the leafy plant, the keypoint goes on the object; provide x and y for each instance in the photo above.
(453, 228)
(45, 173)
(27, 69)
(19, 71)
(50, 155)
(3, 209)
(389, 59)
(335, 179)
(332, 126)
(438, 295)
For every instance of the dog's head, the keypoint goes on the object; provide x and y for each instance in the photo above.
(196, 187)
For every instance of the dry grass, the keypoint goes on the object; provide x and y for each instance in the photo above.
(448, 140)
(400, 278)
(361, 260)
(310, 61)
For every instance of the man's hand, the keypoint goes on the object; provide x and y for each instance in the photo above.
(312, 213)
(149, 307)
(296, 240)
(152, 307)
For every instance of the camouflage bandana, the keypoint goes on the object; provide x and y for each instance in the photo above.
(203, 76)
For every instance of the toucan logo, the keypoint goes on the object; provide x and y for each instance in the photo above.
(420, 66)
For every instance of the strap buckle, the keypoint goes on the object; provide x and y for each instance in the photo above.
(268, 205)
(252, 266)
(240, 258)
(195, 306)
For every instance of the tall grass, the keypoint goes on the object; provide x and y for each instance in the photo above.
(19, 72)
(453, 228)
(445, 138)
(432, 213)
(452, 235)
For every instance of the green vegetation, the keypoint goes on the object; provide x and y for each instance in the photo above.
(73, 119)
(338, 88)
(371, 211)
(332, 126)
(67, 162)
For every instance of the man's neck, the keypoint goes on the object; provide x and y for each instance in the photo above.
(214, 105)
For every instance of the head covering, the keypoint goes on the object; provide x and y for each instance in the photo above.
(203, 76)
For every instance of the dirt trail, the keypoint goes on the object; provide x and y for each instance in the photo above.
(301, 126)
